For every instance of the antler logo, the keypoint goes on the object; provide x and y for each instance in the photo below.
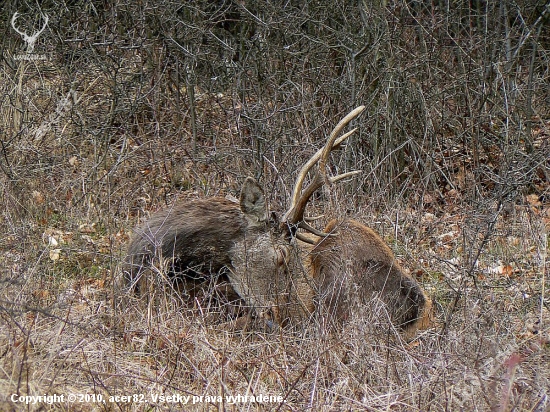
(30, 40)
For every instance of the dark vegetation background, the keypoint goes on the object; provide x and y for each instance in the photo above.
(140, 103)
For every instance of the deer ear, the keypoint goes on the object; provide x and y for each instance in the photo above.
(253, 201)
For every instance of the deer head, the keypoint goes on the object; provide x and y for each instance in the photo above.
(30, 40)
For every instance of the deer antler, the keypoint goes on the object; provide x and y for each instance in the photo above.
(294, 217)
(30, 40)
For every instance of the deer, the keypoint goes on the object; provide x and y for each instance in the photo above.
(30, 40)
(348, 261)
(281, 273)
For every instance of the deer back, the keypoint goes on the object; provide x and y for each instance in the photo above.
(354, 265)
(201, 238)
(193, 237)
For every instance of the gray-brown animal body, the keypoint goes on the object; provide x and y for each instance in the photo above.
(279, 279)
(194, 238)
(204, 238)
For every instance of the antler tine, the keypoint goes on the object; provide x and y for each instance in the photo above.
(16, 15)
(46, 19)
(332, 138)
(299, 200)
(310, 163)
(13, 19)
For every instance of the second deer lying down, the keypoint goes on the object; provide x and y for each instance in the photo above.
(278, 277)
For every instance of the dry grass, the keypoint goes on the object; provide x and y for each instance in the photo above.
(94, 142)
(63, 334)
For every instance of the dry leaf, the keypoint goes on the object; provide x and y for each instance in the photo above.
(52, 241)
(86, 228)
(73, 161)
(37, 197)
(55, 254)
(502, 269)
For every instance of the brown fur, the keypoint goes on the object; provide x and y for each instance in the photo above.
(194, 237)
(355, 265)
(275, 277)
(265, 273)
(205, 238)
